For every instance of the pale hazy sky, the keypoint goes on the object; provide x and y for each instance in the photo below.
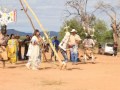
(50, 12)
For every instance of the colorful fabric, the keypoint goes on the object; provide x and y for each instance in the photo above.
(12, 50)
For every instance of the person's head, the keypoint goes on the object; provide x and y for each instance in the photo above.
(3, 29)
(36, 33)
(27, 36)
(12, 36)
(7, 35)
(88, 37)
(55, 38)
(73, 32)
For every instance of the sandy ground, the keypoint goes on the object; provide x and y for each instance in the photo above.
(104, 75)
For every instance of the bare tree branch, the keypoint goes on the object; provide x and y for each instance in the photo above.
(112, 13)
(78, 8)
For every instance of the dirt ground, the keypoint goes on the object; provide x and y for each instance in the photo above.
(104, 75)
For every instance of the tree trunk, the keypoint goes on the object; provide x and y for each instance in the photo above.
(114, 31)
(118, 41)
(116, 37)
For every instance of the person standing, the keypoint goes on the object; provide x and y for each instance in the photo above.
(73, 45)
(34, 51)
(88, 44)
(3, 50)
(63, 48)
(12, 49)
(55, 43)
(19, 49)
(115, 48)
(26, 43)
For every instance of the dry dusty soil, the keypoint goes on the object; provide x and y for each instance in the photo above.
(104, 75)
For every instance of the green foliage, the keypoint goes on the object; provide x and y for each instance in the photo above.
(22, 37)
(102, 33)
(73, 24)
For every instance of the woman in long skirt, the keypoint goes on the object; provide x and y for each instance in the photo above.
(34, 52)
(12, 49)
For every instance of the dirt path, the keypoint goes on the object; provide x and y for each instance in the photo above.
(104, 75)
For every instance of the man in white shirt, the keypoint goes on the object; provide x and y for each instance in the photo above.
(73, 45)
(63, 48)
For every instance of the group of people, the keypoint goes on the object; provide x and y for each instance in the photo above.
(35, 51)
(71, 42)
(8, 46)
(33, 48)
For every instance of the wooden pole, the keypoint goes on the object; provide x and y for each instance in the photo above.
(43, 29)
(27, 15)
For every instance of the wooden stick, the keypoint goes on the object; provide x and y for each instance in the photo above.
(43, 29)
(27, 15)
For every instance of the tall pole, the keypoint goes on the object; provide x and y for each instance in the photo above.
(43, 29)
(25, 10)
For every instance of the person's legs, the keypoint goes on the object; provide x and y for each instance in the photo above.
(93, 59)
(91, 56)
(115, 51)
(19, 53)
(64, 55)
(76, 57)
(25, 54)
(44, 56)
(64, 63)
(35, 63)
(29, 63)
(54, 54)
(13, 58)
(85, 55)
(88, 52)
(72, 57)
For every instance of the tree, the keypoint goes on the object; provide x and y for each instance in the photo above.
(73, 24)
(102, 33)
(111, 12)
(78, 9)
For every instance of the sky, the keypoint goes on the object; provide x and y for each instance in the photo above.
(50, 13)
